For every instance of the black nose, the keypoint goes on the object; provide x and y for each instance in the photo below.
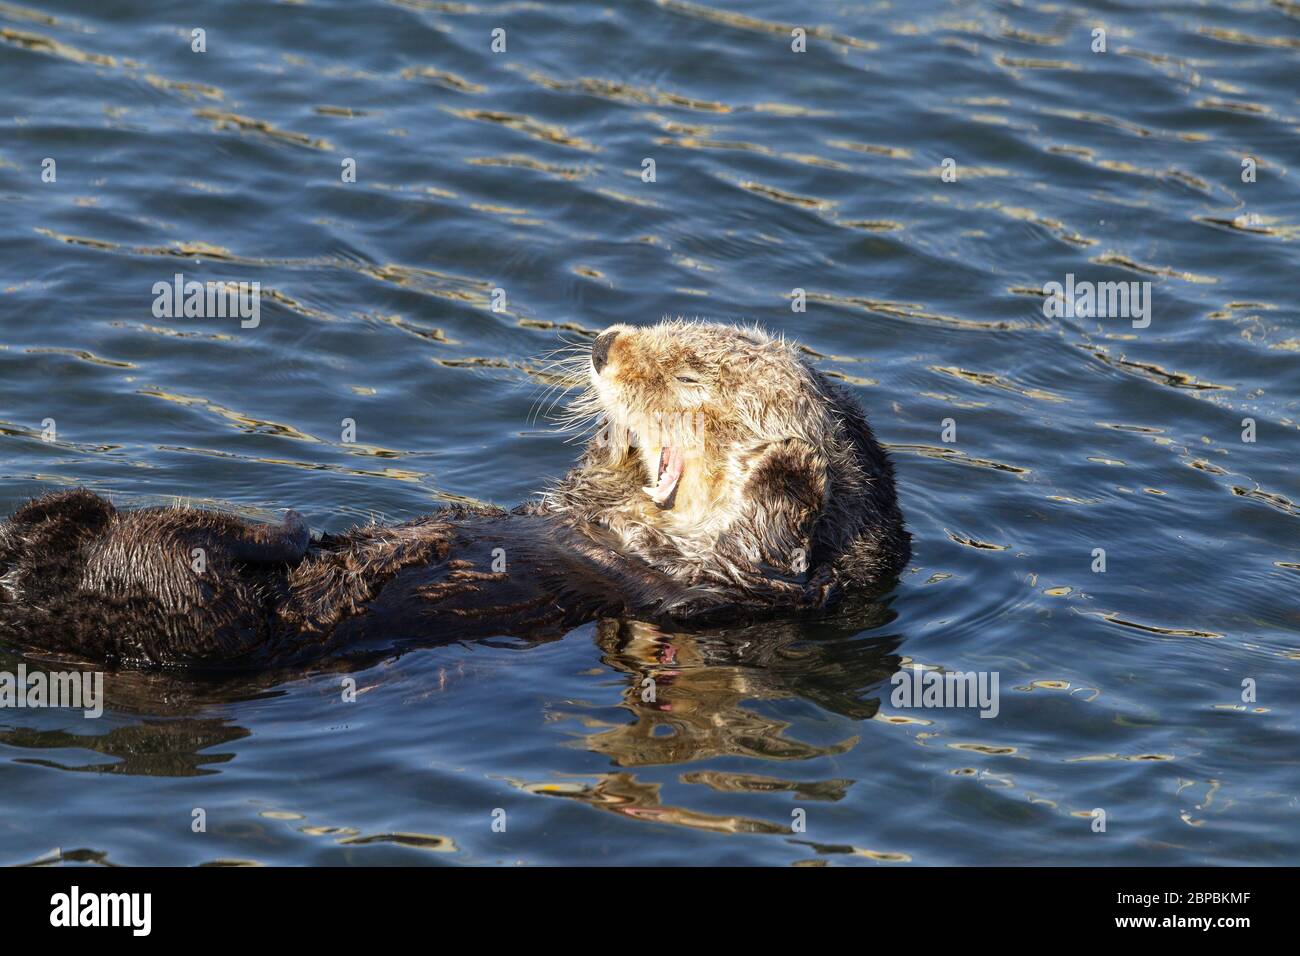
(600, 350)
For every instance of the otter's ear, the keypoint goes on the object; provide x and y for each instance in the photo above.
(786, 492)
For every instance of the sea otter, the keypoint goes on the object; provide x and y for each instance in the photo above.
(726, 479)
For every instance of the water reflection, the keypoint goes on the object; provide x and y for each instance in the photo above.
(689, 692)
(152, 748)
(692, 697)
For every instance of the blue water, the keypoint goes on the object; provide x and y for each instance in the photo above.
(774, 170)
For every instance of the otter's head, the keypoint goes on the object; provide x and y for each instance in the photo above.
(723, 455)
(693, 402)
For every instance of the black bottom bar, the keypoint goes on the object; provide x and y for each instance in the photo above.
(337, 905)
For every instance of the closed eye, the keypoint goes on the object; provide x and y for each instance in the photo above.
(687, 380)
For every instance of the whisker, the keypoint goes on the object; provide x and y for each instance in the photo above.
(563, 367)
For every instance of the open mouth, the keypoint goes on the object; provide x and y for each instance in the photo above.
(670, 472)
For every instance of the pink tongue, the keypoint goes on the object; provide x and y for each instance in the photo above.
(670, 471)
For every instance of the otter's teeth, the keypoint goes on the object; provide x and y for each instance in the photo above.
(670, 472)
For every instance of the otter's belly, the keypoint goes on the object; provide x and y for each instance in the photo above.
(515, 575)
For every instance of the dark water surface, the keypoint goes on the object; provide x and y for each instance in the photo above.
(774, 171)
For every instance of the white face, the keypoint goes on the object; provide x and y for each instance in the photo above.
(690, 398)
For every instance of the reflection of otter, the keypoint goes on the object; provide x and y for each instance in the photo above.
(155, 748)
(729, 480)
(695, 686)
(690, 695)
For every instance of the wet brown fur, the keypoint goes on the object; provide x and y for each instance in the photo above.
(785, 501)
